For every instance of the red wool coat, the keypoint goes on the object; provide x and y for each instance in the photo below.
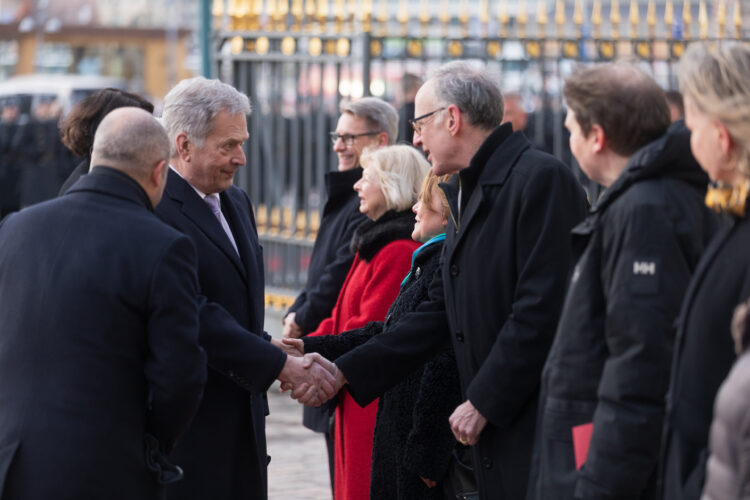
(368, 291)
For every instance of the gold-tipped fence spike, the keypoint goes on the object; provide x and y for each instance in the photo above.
(463, 15)
(424, 16)
(298, 13)
(633, 15)
(651, 17)
(322, 13)
(560, 14)
(578, 16)
(484, 12)
(366, 15)
(737, 19)
(541, 14)
(311, 7)
(503, 18)
(403, 13)
(339, 13)
(687, 19)
(721, 17)
(703, 19)
(522, 17)
(383, 14)
(596, 17)
(445, 14)
(217, 8)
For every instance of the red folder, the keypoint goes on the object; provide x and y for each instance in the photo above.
(581, 441)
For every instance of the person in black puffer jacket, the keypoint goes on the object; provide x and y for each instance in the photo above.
(413, 442)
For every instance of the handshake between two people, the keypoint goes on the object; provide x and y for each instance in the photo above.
(311, 378)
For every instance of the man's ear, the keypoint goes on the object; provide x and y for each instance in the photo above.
(184, 146)
(453, 119)
(158, 176)
(382, 139)
(598, 138)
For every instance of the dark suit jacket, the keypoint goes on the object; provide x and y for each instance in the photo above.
(224, 452)
(98, 344)
(498, 298)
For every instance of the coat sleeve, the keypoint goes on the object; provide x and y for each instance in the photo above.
(430, 440)
(247, 359)
(404, 346)
(320, 297)
(175, 366)
(333, 346)
(551, 203)
(644, 277)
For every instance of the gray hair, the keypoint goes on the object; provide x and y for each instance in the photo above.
(401, 169)
(192, 105)
(131, 139)
(380, 115)
(473, 90)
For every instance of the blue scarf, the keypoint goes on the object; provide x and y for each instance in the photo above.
(431, 241)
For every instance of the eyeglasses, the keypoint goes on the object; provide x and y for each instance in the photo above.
(415, 122)
(348, 138)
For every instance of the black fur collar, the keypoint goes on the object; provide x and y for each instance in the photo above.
(371, 236)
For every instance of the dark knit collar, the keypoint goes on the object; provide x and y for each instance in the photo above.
(373, 235)
(341, 183)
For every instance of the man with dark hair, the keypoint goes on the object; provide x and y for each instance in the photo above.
(500, 288)
(100, 367)
(676, 105)
(607, 371)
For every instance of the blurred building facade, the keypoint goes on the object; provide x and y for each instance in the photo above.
(151, 44)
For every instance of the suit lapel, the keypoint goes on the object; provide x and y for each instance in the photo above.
(195, 209)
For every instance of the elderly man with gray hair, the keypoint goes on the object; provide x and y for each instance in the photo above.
(366, 123)
(224, 451)
(499, 293)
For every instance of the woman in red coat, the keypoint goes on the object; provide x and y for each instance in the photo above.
(390, 182)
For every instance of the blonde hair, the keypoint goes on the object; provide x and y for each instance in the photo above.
(430, 183)
(718, 83)
(400, 170)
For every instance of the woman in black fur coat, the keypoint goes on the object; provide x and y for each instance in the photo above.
(413, 441)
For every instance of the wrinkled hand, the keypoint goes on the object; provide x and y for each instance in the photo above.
(291, 328)
(429, 482)
(467, 423)
(293, 347)
(310, 378)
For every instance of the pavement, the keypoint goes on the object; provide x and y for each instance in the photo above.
(299, 462)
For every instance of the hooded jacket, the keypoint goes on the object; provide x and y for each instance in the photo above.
(609, 363)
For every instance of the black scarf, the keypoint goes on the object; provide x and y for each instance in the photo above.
(372, 235)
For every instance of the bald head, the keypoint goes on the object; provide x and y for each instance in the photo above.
(130, 140)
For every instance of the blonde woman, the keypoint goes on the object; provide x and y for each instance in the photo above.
(383, 247)
(716, 86)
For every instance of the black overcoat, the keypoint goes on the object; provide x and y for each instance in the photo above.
(224, 451)
(412, 436)
(505, 265)
(703, 356)
(98, 343)
(609, 364)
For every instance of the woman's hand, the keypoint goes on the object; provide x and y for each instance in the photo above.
(293, 347)
(429, 482)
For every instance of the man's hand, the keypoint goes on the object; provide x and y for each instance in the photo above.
(291, 328)
(311, 379)
(467, 423)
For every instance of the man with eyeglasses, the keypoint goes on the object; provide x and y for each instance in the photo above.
(366, 123)
(498, 296)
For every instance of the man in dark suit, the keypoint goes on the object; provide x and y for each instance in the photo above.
(500, 290)
(224, 451)
(100, 367)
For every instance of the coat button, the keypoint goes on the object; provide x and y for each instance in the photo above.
(487, 462)
(454, 270)
(460, 336)
(418, 272)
